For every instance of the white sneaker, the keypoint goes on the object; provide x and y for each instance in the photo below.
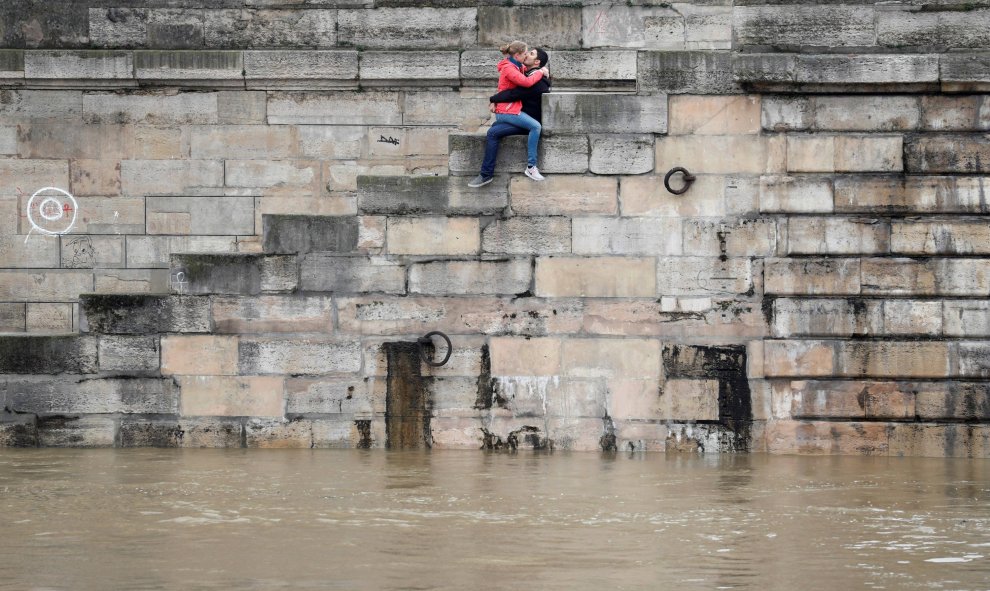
(534, 173)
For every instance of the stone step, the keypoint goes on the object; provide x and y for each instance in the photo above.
(297, 234)
(125, 314)
(236, 274)
(430, 195)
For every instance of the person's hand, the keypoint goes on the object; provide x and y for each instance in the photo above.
(491, 107)
(546, 71)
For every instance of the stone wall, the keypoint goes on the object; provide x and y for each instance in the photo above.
(266, 193)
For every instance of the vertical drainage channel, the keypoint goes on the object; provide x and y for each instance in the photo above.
(407, 402)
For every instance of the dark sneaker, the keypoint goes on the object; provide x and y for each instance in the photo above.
(480, 181)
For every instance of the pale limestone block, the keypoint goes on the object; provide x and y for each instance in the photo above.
(129, 353)
(912, 317)
(692, 275)
(951, 113)
(575, 112)
(154, 251)
(612, 154)
(816, 235)
(335, 108)
(309, 69)
(706, 27)
(288, 201)
(939, 441)
(757, 237)
(25, 106)
(866, 113)
(213, 68)
(560, 154)
(408, 28)
(54, 285)
(796, 194)
(31, 175)
(272, 314)
(634, 435)
(131, 281)
(343, 175)
(327, 396)
(331, 142)
(612, 359)
(812, 276)
(8, 140)
(169, 177)
(201, 215)
(853, 399)
(371, 232)
(715, 154)
(953, 277)
(714, 115)
(798, 358)
(646, 236)
(154, 143)
(563, 195)
(242, 142)
(689, 400)
(595, 66)
(471, 277)
(465, 108)
(320, 271)
(255, 396)
(723, 318)
(49, 318)
(79, 65)
(916, 237)
(75, 141)
(199, 355)
(261, 355)
(83, 252)
(787, 113)
(10, 216)
(595, 277)
(709, 195)
(237, 107)
(527, 235)
(391, 66)
(825, 26)
(869, 153)
(94, 177)
(827, 438)
(513, 356)
(798, 317)
(812, 153)
(412, 141)
(888, 359)
(277, 433)
(36, 251)
(270, 28)
(433, 236)
(186, 108)
(635, 399)
(480, 64)
(641, 27)
(272, 173)
(965, 318)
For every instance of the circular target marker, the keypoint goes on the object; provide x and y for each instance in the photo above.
(57, 212)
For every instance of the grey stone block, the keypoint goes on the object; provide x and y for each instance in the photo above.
(89, 395)
(951, 153)
(594, 68)
(528, 235)
(389, 67)
(153, 251)
(266, 356)
(547, 28)
(153, 109)
(270, 28)
(48, 354)
(18, 430)
(402, 194)
(240, 107)
(33, 24)
(189, 68)
(136, 432)
(87, 252)
(512, 276)
(131, 354)
(236, 274)
(90, 65)
(965, 71)
(211, 432)
(557, 154)
(327, 272)
(478, 65)
(11, 65)
(140, 314)
(76, 431)
(335, 108)
(230, 216)
(288, 234)
(604, 113)
(934, 29)
(841, 113)
(804, 26)
(835, 71)
(33, 105)
(686, 72)
(408, 28)
(300, 69)
(622, 154)
(161, 28)
(12, 317)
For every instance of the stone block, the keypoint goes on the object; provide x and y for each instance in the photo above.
(675, 26)
(756, 237)
(433, 236)
(76, 431)
(309, 396)
(403, 194)
(941, 441)
(711, 195)
(211, 432)
(557, 155)
(804, 26)
(331, 272)
(719, 154)
(133, 355)
(190, 68)
(29, 25)
(265, 173)
(614, 154)
(52, 286)
(32, 173)
(793, 317)
(169, 177)
(91, 142)
(952, 113)
(13, 317)
(826, 236)
(94, 177)
(689, 400)
(691, 318)
(335, 108)
(965, 318)
(604, 113)
(326, 142)
(261, 355)
(545, 27)
(899, 194)
(200, 215)
(139, 27)
(948, 277)
(140, 314)
(278, 434)
(972, 359)
(714, 115)
(465, 108)
(41, 105)
(594, 68)
(564, 195)
(131, 281)
(386, 143)
(595, 277)
(947, 154)
(8, 141)
(32, 252)
(199, 355)
(643, 236)
(89, 395)
(704, 276)
(154, 108)
(944, 29)
(305, 70)
(341, 177)
(960, 401)
(614, 359)
(820, 153)
(834, 72)
(912, 317)
(270, 28)
(888, 359)
(471, 277)
(798, 358)
(686, 72)
(257, 396)
(949, 238)
(49, 318)
(239, 107)
(287, 234)
(478, 65)
(266, 142)
(527, 235)
(90, 65)
(272, 314)
(811, 276)
(537, 357)
(18, 430)
(143, 432)
(964, 71)
(862, 113)
(236, 274)
(391, 67)
(408, 28)
(814, 399)
(154, 251)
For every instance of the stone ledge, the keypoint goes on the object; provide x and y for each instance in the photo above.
(826, 72)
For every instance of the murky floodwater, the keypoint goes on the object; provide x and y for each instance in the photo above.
(216, 519)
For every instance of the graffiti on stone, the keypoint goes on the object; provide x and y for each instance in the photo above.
(51, 211)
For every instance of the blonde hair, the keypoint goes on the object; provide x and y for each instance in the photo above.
(513, 48)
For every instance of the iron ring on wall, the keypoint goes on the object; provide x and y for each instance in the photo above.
(427, 339)
(688, 179)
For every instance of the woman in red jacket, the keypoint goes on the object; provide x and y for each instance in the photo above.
(510, 75)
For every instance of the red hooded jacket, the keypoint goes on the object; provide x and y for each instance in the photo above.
(511, 76)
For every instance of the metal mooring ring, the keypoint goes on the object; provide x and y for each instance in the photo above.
(427, 339)
(688, 179)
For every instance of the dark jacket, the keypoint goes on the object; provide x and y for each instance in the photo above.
(532, 102)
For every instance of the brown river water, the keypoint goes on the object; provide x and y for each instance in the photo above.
(341, 519)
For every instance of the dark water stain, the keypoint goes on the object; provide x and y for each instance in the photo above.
(364, 431)
(407, 402)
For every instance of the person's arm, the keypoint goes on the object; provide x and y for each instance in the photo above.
(519, 79)
(514, 94)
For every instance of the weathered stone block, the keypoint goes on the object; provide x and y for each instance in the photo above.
(912, 317)
(237, 274)
(79, 65)
(28, 24)
(595, 277)
(237, 107)
(241, 142)
(351, 274)
(933, 440)
(885, 359)
(676, 26)
(846, 399)
(615, 154)
(687, 317)
(94, 177)
(966, 318)
(259, 355)
(189, 68)
(287, 234)
(827, 437)
(798, 358)
(686, 72)
(620, 359)
(948, 29)
(815, 235)
(49, 318)
(604, 113)
(53, 285)
(563, 195)
(645, 236)
(560, 154)
(270, 28)
(958, 401)
(131, 281)
(527, 235)
(719, 154)
(187, 108)
(76, 431)
(141, 432)
(819, 153)
(257, 396)
(199, 355)
(951, 277)
(964, 71)
(200, 215)
(471, 277)
(89, 395)
(433, 236)
(792, 317)
(756, 237)
(598, 69)
(18, 430)
(910, 194)
(403, 194)
(388, 67)
(714, 115)
(689, 400)
(804, 26)
(947, 153)
(952, 113)
(48, 354)
(272, 314)
(335, 108)
(525, 357)
(131, 354)
(154, 251)
(711, 195)
(41, 251)
(140, 314)
(834, 71)
(13, 317)
(940, 238)
(408, 28)
(169, 177)
(704, 276)
(812, 276)
(264, 173)
(139, 27)
(41, 105)
(303, 69)
(548, 28)
(308, 396)
(211, 433)
(32, 173)
(278, 434)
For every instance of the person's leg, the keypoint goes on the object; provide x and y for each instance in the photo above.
(528, 123)
(496, 132)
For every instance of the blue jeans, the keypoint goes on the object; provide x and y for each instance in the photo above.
(506, 125)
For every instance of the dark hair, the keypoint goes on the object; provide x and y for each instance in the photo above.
(543, 57)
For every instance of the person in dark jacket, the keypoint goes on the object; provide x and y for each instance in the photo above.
(532, 105)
